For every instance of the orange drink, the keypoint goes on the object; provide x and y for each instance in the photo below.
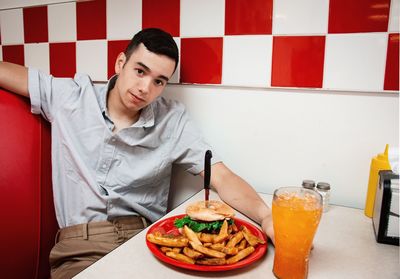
(296, 213)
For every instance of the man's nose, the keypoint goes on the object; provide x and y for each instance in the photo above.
(144, 85)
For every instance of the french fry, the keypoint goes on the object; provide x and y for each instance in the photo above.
(251, 238)
(192, 253)
(230, 250)
(241, 255)
(207, 251)
(170, 249)
(234, 228)
(180, 257)
(191, 235)
(218, 246)
(242, 244)
(207, 237)
(211, 261)
(168, 241)
(235, 239)
(223, 233)
(222, 248)
(165, 249)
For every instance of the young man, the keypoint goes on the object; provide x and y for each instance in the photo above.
(113, 147)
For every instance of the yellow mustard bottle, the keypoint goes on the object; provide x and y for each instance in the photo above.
(379, 162)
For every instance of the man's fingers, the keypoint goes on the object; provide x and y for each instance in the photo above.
(268, 228)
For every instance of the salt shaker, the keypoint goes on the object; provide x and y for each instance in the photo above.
(308, 184)
(324, 189)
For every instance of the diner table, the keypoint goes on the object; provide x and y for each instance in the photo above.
(344, 247)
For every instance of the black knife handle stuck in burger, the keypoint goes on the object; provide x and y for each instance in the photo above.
(207, 175)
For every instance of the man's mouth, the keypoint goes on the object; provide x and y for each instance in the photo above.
(136, 98)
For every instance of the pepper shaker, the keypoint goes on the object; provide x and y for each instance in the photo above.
(308, 184)
(324, 189)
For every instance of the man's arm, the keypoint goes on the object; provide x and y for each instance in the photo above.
(236, 192)
(14, 78)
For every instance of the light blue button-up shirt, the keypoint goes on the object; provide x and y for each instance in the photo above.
(98, 175)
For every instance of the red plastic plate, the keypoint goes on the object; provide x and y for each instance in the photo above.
(166, 226)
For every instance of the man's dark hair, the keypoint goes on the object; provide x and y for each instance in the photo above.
(155, 40)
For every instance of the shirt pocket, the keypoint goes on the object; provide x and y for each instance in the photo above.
(134, 170)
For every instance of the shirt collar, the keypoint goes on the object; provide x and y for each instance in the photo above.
(146, 118)
(103, 97)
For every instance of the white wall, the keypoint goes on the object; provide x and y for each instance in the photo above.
(276, 137)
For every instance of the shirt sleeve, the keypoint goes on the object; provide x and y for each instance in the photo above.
(191, 146)
(47, 93)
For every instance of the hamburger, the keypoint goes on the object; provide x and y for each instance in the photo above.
(201, 218)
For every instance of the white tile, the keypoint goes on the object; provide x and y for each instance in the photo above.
(37, 56)
(300, 17)
(204, 18)
(394, 16)
(62, 22)
(124, 18)
(12, 27)
(355, 61)
(91, 59)
(175, 76)
(137, 13)
(247, 60)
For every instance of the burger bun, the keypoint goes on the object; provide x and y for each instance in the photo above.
(216, 211)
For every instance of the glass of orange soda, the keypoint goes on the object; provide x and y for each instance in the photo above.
(296, 213)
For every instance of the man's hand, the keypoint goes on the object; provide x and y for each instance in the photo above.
(268, 228)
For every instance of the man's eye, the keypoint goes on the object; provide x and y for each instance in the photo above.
(159, 82)
(139, 71)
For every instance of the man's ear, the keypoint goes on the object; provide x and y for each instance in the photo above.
(120, 62)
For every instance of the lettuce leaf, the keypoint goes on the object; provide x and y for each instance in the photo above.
(197, 226)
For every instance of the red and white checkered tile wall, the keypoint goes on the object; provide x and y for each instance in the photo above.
(326, 44)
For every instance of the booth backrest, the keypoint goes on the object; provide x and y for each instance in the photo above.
(27, 211)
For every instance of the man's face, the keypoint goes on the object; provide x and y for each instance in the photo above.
(142, 78)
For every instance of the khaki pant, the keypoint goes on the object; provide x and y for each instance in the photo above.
(79, 246)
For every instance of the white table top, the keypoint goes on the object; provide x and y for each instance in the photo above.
(344, 247)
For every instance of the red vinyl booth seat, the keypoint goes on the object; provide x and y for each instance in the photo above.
(27, 211)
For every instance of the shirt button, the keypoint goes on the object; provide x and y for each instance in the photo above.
(104, 166)
(113, 139)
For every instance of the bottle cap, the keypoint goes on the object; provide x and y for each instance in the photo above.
(323, 186)
(308, 184)
(381, 161)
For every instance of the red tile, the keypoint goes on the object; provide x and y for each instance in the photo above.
(298, 61)
(201, 60)
(35, 25)
(91, 20)
(392, 63)
(114, 48)
(63, 59)
(14, 54)
(248, 17)
(161, 14)
(350, 16)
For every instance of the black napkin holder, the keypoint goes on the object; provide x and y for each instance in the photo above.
(386, 208)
